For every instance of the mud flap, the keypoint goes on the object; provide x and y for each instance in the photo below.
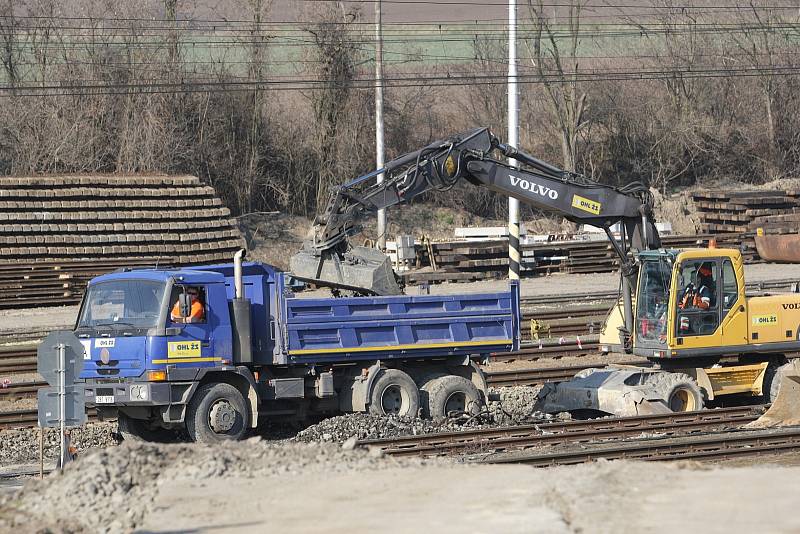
(785, 410)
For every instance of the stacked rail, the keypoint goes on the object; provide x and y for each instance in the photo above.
(56, 233)
(746, 211)
(462, 261)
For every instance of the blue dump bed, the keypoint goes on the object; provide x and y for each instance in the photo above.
(330, 329)
(296, 330)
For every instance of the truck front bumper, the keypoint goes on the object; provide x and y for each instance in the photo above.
(166, 400)
(124, 393)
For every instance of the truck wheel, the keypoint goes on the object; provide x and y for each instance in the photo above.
(217, 413)
(394, 393)
(140, 430)
(451, 394)
(680, 392)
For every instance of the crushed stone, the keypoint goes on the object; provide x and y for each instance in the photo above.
(512, 406)
(21, 445)
(111, 490)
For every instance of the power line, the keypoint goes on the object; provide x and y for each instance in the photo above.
(67, 89)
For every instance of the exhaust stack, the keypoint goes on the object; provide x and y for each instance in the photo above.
(237, 273)
(240, 315)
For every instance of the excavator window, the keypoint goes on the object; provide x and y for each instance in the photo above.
(651, 306)
(730, 286)
(698, 305)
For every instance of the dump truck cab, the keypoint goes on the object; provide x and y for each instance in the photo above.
(131, 312)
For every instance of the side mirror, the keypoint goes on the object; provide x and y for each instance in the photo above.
(186, 304)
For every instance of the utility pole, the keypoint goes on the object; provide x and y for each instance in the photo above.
(381, 243)
(513, 140)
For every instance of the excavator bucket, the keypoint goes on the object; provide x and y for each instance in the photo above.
(361, 269)
(785, 409)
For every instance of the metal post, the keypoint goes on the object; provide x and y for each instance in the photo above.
(513, 140)
(379, 160)
(41, 453)
(62, 398)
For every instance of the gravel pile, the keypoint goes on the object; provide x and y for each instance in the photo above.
(111, 490)
(365, 426)
(21, 445)
(512, 406)
(516, 405)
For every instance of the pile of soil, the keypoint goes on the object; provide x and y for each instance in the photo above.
(111, 490)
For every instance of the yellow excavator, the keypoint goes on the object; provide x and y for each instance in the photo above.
(706, 338)
(684, 310)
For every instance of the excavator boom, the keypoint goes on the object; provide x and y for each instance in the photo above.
(328, 259)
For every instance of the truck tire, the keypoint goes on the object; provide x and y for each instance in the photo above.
(217, 412)
(680, 392)
(394, 393)
(139, 430)
(451, 394)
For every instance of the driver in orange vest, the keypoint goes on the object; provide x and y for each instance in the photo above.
(196, 315)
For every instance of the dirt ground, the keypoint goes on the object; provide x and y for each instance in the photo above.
(255, 486)
(602, 497)
(274, 238)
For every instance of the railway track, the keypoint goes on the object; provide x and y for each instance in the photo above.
(720, 446)
(533, 377)
(611, 296)
(21, 390)
(18, 360)
(494, 440)
(18, 418)
(531, 351)
(28, 418)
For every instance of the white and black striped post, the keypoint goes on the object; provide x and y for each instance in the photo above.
(513, 140)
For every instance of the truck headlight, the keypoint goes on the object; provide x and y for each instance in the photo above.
(138, 393)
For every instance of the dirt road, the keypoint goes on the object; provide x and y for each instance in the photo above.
(606, 497)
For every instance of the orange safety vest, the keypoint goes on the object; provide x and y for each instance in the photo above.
(196, 315)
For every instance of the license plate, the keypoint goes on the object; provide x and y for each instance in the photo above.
(104, 399)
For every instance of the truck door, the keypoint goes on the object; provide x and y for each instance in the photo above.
(193, 343)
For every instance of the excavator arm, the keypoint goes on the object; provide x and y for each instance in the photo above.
(328, 259)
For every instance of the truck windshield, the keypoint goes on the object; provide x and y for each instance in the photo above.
(652, 303)
(127, 303)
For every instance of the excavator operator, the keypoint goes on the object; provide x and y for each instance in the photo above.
(700, 296)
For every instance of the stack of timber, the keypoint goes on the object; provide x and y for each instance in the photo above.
(740, 211)
(455, 261)
(57, 232)
(769, 220)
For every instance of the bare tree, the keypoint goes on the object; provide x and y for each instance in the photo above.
(334, 56)
(10, 41)
(557, 66)
(765, 36)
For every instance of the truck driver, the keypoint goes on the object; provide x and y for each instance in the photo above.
(196, 314)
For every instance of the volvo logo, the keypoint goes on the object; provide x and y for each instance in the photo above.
(791, 306)
(533, 187)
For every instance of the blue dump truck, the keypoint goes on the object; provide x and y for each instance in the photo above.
(212, 351)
